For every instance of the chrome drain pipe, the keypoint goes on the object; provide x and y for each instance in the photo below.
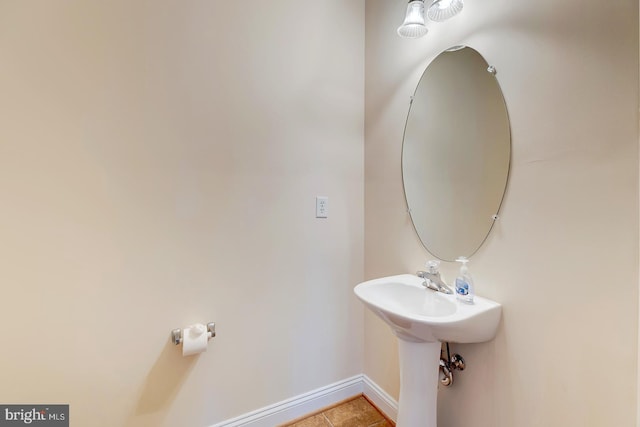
(448, 365)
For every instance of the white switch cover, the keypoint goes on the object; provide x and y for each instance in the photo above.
(322, 207)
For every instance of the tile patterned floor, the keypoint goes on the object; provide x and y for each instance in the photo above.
(357, 412)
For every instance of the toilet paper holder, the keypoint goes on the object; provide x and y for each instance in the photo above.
(176, 334)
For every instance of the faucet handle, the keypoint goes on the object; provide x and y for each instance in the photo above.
(433, 266)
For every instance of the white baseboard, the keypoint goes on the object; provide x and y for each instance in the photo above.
(313, 401)
(380, 398)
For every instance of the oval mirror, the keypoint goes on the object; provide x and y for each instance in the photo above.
(456, 153)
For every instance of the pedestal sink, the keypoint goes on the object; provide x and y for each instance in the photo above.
(421, 319)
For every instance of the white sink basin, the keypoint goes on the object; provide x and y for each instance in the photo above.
(422, 318)
(416, 313)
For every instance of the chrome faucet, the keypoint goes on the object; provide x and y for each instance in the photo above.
(432, 278)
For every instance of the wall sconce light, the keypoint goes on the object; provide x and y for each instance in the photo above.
(441, 10)
(414, 25)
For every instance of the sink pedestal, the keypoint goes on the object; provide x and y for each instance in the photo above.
(419, 376)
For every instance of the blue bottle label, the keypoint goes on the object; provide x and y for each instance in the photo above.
(462, 287)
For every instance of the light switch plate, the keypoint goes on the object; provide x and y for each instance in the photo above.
(322, 207)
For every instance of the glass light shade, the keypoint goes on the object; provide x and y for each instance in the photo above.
(414, 22)
(441, 10)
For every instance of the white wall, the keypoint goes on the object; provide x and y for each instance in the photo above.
(563, 260)
(159, 163)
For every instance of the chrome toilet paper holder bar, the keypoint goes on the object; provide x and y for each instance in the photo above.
(176, 334)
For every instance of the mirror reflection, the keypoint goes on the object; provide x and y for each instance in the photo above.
(456, 153)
